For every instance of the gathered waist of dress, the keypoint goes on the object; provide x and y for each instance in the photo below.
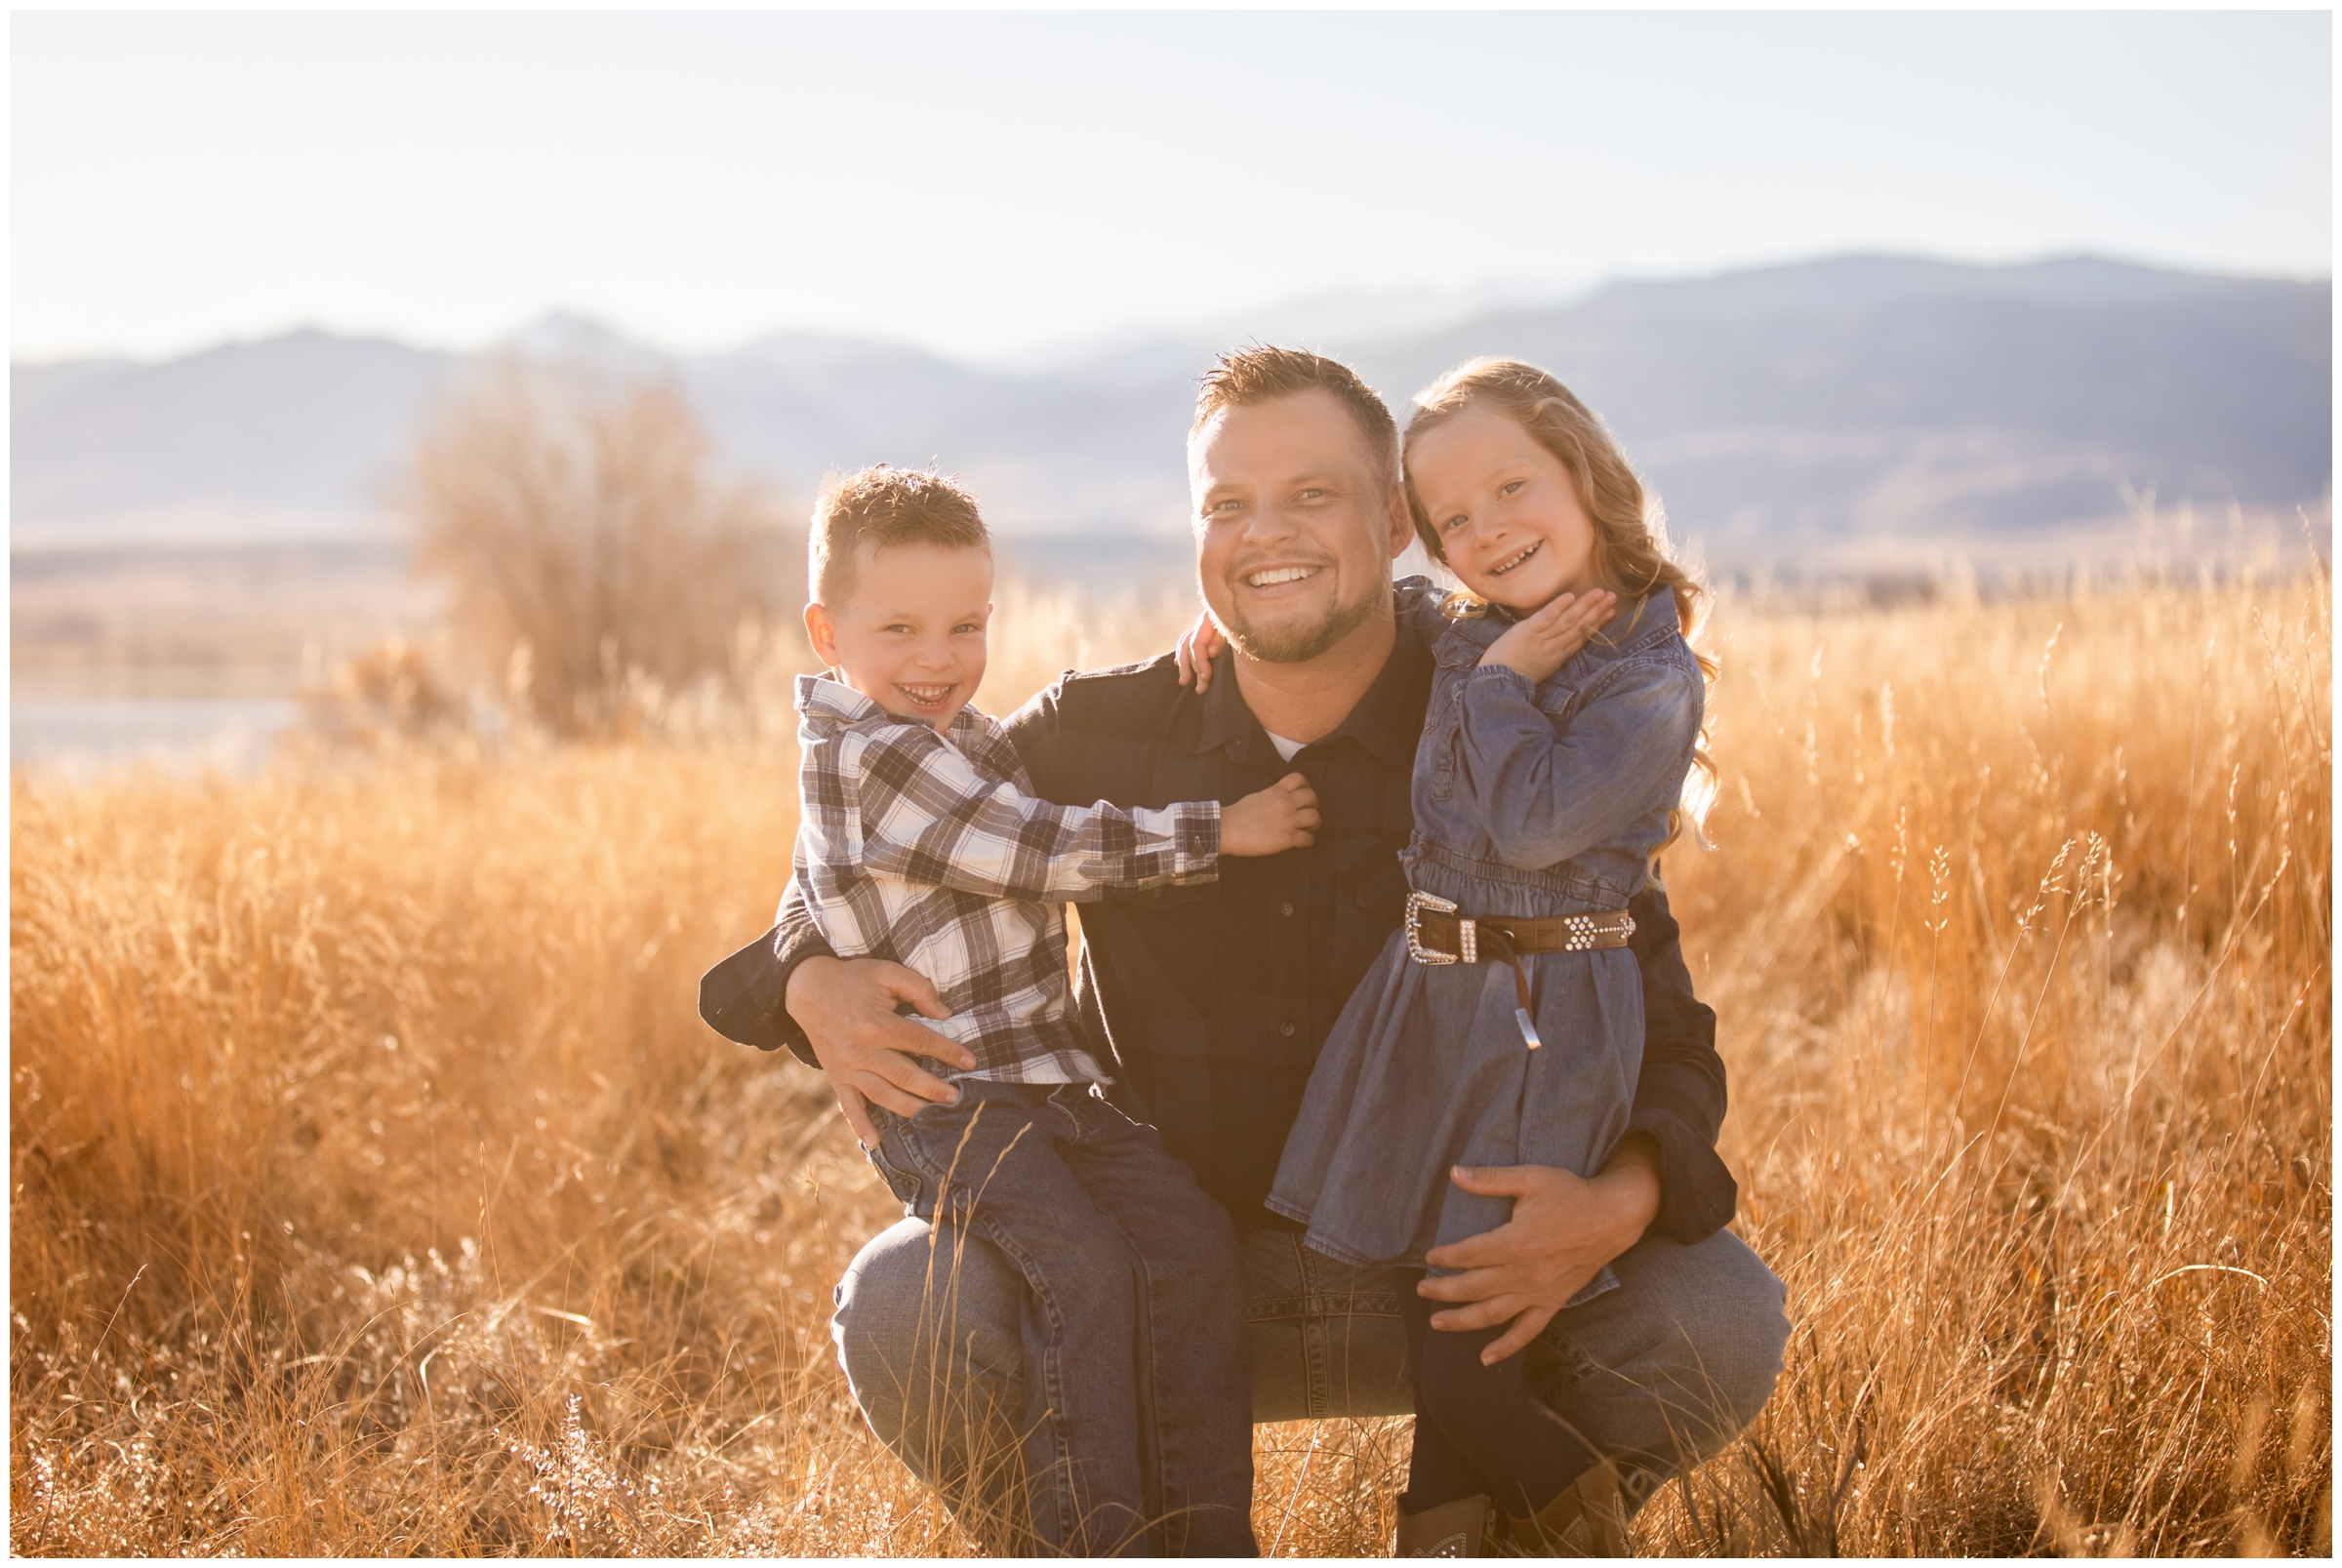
(1479, 887)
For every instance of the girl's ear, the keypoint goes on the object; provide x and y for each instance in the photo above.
(821, 634)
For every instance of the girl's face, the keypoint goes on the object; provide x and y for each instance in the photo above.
(1506, 511)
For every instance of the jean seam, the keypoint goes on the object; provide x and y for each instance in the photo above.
(1316, 1331)
(1061, 1456)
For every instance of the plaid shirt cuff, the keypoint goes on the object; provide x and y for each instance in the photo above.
(1195, 842)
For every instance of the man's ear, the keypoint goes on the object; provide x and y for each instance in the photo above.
(1403, 522)
(821, 634)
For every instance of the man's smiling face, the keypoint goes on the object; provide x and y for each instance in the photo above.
(1295, 528)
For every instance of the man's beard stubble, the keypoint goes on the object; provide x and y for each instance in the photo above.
(1299, 644)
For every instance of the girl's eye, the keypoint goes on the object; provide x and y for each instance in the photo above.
(1510, 486)
(1452, 524)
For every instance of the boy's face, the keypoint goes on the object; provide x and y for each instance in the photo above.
(910, 635)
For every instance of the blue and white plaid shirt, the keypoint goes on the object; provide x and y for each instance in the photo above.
(935, 853)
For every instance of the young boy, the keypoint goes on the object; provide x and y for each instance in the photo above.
(921, 842)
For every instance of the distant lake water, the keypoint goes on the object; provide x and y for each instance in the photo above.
(85, 735)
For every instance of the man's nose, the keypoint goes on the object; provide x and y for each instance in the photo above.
(1269, 522)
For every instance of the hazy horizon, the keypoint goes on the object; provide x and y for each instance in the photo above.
(1409, 308)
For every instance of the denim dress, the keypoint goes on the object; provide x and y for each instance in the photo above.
(1530, 800)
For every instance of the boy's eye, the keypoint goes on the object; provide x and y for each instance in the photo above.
(894, 625)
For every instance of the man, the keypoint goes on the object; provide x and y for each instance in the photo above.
(1210, 1003)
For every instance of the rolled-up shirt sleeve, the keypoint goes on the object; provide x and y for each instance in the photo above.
(1680, 1096)
(744, 999)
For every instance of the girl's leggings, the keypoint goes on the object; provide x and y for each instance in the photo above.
(1478, 1429)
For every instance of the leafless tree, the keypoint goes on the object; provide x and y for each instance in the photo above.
(587, 543)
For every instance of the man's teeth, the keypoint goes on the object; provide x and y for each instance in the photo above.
(1283, 574)
(1500, 571)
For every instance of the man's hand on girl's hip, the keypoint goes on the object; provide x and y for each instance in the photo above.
(1563, 1230)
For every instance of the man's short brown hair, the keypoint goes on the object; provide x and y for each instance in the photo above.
(1245, 376)
(885, 507)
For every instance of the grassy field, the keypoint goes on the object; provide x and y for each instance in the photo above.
(376, 1189)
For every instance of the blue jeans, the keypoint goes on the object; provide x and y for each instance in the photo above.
(1133, 1421)
(1659, 1373)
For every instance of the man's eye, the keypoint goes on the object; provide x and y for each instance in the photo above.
(965, 627)
(1312, 495)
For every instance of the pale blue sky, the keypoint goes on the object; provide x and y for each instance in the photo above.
(981, 183)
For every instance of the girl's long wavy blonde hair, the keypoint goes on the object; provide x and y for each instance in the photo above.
(1630, 528)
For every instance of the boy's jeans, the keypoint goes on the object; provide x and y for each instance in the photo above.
(1135, 1428)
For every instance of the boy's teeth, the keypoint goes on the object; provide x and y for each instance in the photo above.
(1283, 574)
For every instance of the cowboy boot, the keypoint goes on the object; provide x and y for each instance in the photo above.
(1588, 1520)
(1458, 1529)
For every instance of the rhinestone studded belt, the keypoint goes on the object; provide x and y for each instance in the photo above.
(1437, 934)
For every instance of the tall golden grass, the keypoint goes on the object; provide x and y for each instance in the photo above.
(374, 1188)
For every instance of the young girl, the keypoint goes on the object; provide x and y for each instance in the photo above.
(1503, 1026)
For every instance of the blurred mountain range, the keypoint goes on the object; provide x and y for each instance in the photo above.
(1846, 412)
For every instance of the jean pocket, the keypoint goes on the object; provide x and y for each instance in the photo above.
(900, 1180)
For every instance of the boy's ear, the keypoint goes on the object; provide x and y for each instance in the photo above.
(821, 634)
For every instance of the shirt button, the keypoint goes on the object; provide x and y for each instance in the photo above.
(1284, 908)
(1285, 1029)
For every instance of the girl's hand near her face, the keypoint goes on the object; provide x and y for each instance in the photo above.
(1198, 646)
(1544, 642)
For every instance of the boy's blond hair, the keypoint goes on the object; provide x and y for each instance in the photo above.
(885, 507)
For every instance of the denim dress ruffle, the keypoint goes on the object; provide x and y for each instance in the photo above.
(1529, 800)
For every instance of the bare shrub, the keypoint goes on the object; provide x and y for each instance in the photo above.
(587, 546)
(388, 695)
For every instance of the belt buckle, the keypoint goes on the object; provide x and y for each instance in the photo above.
(1417, 902)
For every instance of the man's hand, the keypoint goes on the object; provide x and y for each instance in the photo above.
(1544, 642)
(1563, 1230)
(846, 1008)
